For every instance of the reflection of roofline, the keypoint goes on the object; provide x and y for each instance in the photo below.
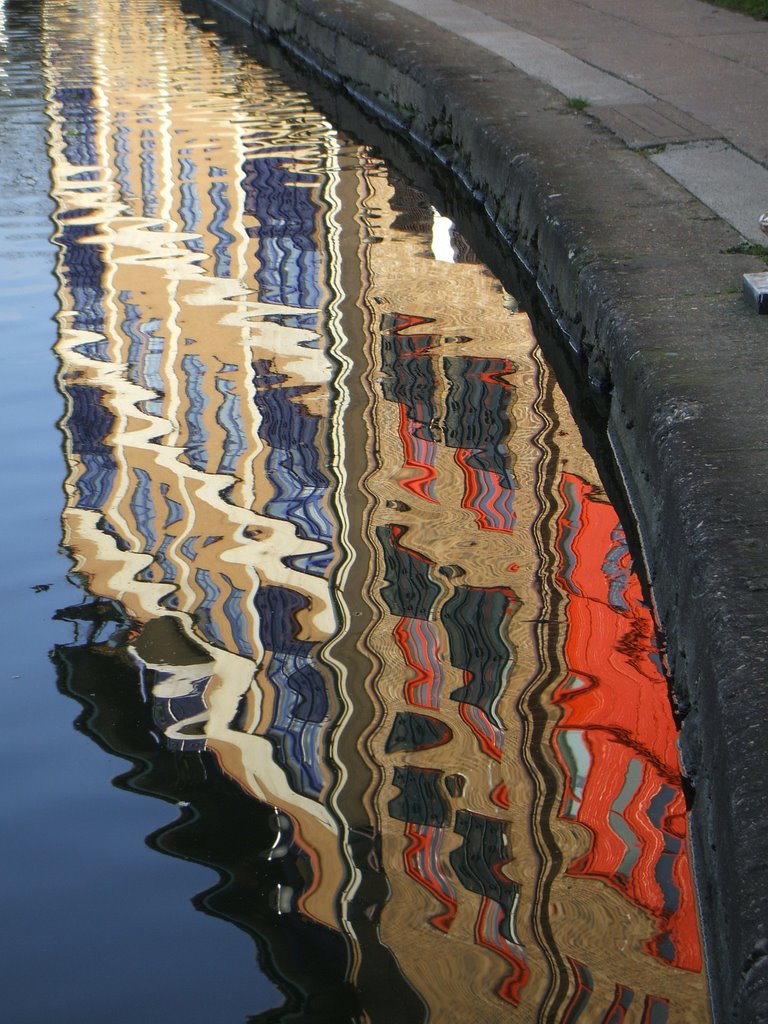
(247, 757)
(219, 825)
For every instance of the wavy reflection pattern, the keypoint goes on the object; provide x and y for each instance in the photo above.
(453, 623)
(616, 741)
(311, 453)
(200, 495)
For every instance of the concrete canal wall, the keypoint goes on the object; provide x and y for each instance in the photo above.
(643, 283)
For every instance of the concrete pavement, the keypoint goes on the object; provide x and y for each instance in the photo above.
(628, 217)
(678, 78)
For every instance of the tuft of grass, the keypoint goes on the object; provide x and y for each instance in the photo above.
(755, 8)
(578, 102)
(748, 249)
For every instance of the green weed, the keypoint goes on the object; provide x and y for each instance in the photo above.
(748, 249)
(757, 8)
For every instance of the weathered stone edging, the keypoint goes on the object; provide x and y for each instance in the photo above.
(638, 276)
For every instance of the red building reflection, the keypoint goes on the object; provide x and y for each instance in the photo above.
(616, 740)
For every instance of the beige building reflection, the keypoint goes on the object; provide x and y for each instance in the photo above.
(525, 733)
(315, 456)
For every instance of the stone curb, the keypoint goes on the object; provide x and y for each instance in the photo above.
(639, 278)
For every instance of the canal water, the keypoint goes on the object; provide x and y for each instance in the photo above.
(330, 693)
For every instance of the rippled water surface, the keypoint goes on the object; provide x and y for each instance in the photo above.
(302, 536)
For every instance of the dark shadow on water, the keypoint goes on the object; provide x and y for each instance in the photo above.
(247, 843)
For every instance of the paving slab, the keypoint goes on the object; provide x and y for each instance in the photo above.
(654, 125)
(708, 169)
(654, 15)
(745, 48)
(534, 55)
(617, 59)
(640, 268)
(708, 62)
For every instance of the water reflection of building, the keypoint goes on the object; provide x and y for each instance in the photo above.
(372, 579)
(502, 660)
(194, 432)
(249, 844)
(617, 744)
